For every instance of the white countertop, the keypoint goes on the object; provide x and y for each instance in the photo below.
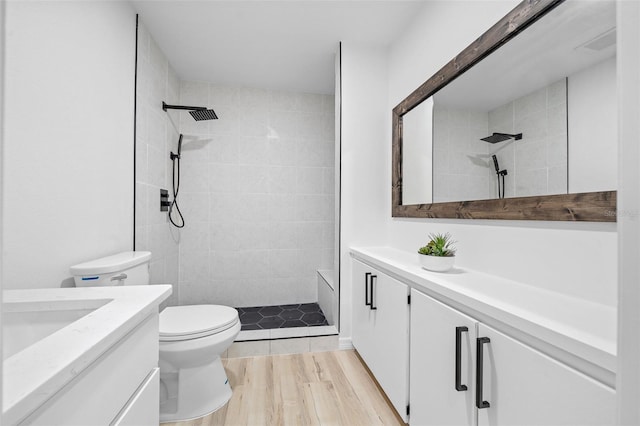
(34, 374)
(582, 328)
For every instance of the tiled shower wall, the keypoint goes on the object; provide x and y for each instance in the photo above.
(536, 164)
(461, 160)
(156, 136)
(257, 194)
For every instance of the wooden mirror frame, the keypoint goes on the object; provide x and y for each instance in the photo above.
(587, 206)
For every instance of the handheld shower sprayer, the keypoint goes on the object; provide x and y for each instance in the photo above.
(177, 156)
(175, 160)
(495, 163)
(499, 173)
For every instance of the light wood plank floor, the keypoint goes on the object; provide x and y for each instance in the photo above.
(315, 388)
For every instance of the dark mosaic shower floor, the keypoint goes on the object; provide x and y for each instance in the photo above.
(281, 316)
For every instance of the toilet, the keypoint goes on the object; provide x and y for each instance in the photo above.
(193, 382)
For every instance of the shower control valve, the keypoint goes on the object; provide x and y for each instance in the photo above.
(164, 200)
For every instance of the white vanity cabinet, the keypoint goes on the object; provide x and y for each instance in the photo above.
(381, 330)
(442, 381)
(120, 388)
(526, 387)
(463, 371)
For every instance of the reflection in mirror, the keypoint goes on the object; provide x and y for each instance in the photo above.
(417, 148)
(555, 84)
(515, 149)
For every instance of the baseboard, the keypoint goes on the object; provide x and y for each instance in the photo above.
(345, 343)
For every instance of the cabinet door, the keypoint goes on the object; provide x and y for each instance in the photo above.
(442, 341)
(362, 325)
(525, 387)
(380, 330)
(390, 359)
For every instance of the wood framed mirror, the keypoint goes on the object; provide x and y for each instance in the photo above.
(566, 198)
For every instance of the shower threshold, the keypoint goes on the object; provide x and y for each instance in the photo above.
(283, 321)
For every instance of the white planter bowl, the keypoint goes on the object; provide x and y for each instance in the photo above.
(436, 263)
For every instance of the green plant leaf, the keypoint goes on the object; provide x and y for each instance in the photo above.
(439, 245)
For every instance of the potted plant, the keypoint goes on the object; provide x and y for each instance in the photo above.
(439, 254)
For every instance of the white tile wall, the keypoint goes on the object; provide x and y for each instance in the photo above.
(156, 136)
(257, 194)
(461, 170)
(536, 164)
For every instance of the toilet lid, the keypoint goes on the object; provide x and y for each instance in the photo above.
(190, 322)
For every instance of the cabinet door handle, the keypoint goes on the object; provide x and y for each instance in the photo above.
(372, 305)
(367, 302)
(459, 330)
(480, 341)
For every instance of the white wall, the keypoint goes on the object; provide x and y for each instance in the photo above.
(68, 152)
(581, 259)
(593, 128)
(417, 149)
(628, 73)
(574, 258)
(364, 183)
(2, 113)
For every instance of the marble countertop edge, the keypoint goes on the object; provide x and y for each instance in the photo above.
(34, 374)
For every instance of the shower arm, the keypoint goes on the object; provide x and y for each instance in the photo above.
(166, 106)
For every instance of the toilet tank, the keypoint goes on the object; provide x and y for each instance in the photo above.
(126, 268)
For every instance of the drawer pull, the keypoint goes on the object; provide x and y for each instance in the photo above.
(367, 302)
(480, 341)
(372, 305)
(459, 330)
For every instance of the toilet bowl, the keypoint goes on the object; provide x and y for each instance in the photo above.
(193, 382)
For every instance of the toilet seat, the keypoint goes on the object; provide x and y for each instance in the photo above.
(195, 321)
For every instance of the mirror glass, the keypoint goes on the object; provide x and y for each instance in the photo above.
(417, 151)
(535, 117)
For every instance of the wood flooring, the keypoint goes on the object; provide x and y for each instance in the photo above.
(315, 388)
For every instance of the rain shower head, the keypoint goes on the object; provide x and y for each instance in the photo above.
(501, 137)
(203, 114)
(198, 113)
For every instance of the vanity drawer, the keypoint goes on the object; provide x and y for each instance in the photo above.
(142, 408)
(98, 393)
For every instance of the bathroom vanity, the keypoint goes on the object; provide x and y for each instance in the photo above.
(80, 356)
(464, 347)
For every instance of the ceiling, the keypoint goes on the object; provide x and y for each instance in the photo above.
(285, 45)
